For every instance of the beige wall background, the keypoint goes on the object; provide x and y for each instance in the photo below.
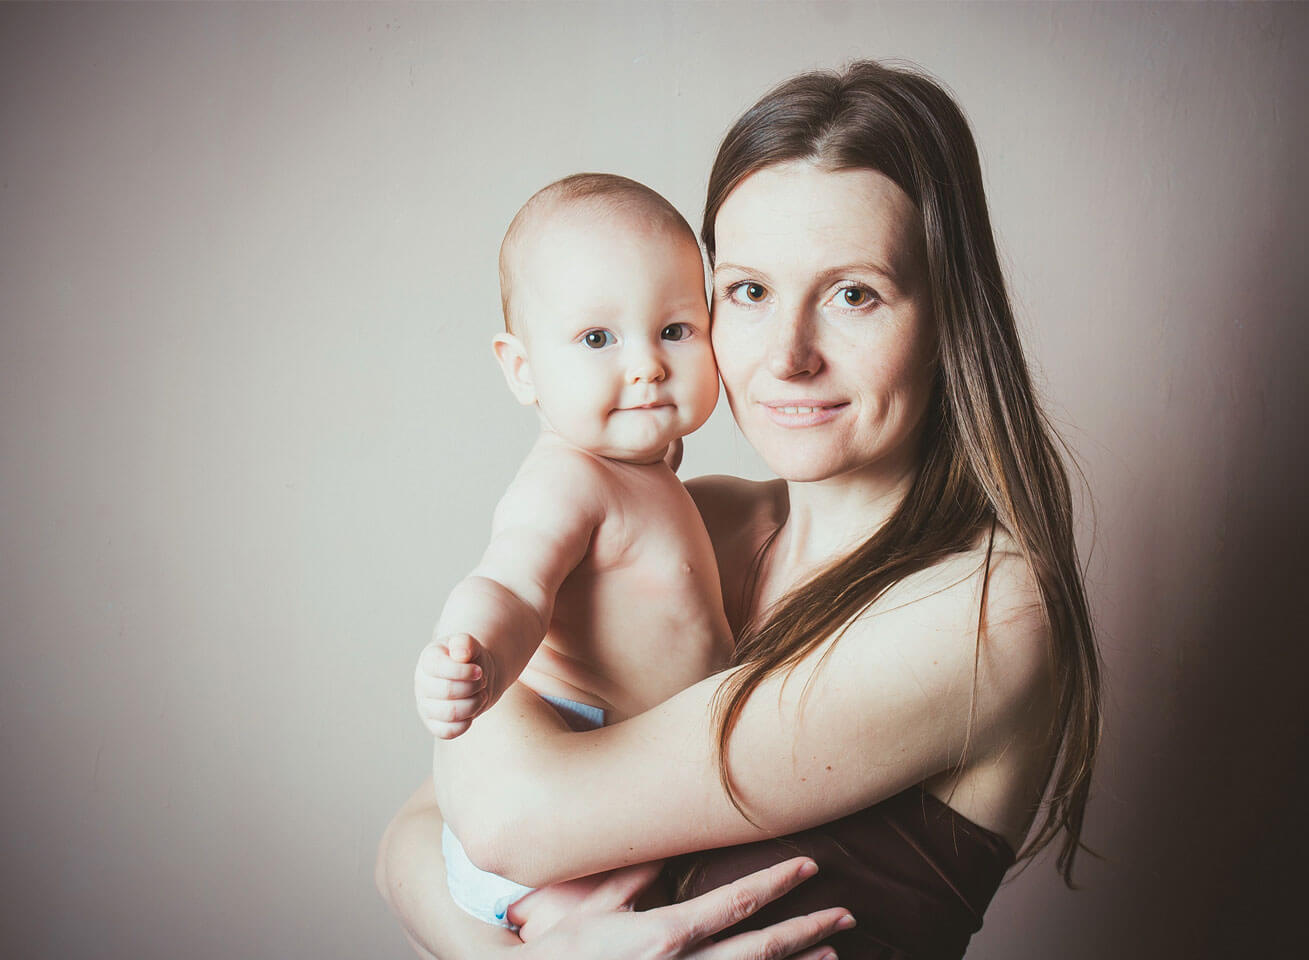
(251, 431)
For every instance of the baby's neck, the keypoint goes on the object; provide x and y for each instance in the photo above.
(549, 435)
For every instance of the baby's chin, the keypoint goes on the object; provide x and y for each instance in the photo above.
(637, 455)
(627, 436)
(643, 452)
(641, 446)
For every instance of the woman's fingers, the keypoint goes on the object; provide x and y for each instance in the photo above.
(723, 906)
(621, 887)
(817, 953)
(604, 926)
(785, 939)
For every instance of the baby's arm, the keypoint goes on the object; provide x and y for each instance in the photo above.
(495, 617)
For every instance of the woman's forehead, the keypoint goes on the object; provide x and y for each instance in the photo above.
(802, 216)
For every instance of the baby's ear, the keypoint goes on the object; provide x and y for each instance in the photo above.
(512, 356)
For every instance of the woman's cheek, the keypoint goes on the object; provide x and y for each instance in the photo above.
(731, 351)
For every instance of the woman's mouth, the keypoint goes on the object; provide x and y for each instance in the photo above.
(802, 413)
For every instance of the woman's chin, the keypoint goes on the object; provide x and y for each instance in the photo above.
(801, 470)
(797, 457)
(797, 466)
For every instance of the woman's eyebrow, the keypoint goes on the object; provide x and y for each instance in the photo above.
(865, 266)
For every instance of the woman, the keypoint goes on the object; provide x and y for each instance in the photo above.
(915, 666)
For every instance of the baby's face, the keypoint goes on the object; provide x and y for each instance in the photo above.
(612, 315)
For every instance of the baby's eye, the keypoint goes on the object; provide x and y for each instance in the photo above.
(748, 292)
(676, 331)
(595, 339)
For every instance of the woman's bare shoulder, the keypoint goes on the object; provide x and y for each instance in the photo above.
(994, 563)
(984, 608)
(983, 617)
(729, 502)
(740, 516)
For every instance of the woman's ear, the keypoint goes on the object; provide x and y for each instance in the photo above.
(512, 356)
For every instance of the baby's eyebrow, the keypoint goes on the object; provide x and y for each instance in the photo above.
(685, 305)
(734, 267)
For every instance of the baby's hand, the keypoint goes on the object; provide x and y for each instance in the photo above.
(450, 684)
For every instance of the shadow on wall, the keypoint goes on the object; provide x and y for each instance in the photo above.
(1212, 750)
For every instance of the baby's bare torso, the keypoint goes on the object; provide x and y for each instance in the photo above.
(641, 617)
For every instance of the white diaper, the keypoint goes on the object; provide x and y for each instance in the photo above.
(488, 896)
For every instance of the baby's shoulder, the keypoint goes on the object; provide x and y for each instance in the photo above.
(556, 478)
(552, 458)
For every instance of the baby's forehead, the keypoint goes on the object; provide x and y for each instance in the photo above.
(555, 218)
(592, 234)
(588, 239)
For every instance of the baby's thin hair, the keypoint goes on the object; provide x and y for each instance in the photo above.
(608, 192)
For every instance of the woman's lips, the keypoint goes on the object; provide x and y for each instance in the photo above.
(802, 413)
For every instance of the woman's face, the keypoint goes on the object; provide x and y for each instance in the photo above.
(821, 323)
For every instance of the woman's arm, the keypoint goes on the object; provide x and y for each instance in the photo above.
(411, 877)
(890, 707)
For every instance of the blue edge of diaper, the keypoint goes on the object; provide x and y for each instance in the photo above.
(578, 716)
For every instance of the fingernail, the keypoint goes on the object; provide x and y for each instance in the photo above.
(830, 955)
(808, 869)
(845, 923)
(477, 673)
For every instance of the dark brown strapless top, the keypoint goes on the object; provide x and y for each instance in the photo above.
(916, 874)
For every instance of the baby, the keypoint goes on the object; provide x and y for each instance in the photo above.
(599, 590)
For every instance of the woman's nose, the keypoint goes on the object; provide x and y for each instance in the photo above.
(792, 350)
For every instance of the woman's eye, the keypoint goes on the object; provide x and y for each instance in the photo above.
(675, 331)
(595, 339)
(856, 296)
(750, 292)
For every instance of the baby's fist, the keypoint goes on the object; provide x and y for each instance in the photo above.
(450, 684)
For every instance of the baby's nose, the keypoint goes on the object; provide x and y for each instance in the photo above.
(646, 367)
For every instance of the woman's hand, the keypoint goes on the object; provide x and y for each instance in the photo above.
(605, 927)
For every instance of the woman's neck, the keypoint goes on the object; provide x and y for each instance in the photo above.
(829, 518)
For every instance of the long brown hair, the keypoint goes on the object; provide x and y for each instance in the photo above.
(989, 453)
